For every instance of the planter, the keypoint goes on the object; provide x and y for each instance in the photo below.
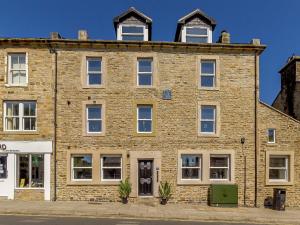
(163, 201)
(124, 200)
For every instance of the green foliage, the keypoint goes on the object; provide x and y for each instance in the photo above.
(125, 188)
(165, 190)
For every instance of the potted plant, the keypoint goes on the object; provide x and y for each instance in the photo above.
(164, 192)
(125, 190)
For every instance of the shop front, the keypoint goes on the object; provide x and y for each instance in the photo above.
(25, 169)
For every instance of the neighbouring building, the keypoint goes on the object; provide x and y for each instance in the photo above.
(79, 116)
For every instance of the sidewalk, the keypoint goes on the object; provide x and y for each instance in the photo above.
(142, 211)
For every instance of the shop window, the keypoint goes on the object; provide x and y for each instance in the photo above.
(30, 171)
(3, 166)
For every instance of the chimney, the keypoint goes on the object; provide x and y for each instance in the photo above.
(255, 41)
(224, 38)
(82, 35)
(55, 36)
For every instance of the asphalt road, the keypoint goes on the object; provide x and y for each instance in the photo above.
(36, 220)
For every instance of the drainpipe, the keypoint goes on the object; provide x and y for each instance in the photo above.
(256, 125)
(54, 51)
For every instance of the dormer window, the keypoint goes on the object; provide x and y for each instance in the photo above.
(196, 35)
(132, 33)
(133, 25)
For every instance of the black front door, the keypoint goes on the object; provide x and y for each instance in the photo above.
(145, 177)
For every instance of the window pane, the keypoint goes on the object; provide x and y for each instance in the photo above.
(12, 123)
(208, 67)
(196, 39)
(132, 29)
(133, 37)
(278, 162)
(145, 79)
(271, 135)
(94, 65)
(111, 161)
(218, 173)
(12, 109)
(190, 160)
(208, 112)
(112, 174)
(3, 166)
(190, 173)
(14, 59)
(207, 126)
(207, 81)
(37, 170)
(82, 173)
(95, 126)
(23, 171)
(279, 174)
(218, 161)
(145, 65)
(94, 79)
(196, 30)
(144, 112)
(145, 126)
(29, 109)
(29, 123)
(82, 161)
(94, 112)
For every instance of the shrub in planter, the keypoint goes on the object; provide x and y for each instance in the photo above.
(125, 190)
(164, 192)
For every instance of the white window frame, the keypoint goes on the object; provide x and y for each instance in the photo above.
(120, 32)
(87, 117)
(208, 74)
(93, 72)
(29, 171)
(208, 120)
(274, 130)
(194, 167)
(9, 70)
(209, 34)
(80, 167)
(138, 119)
(228, 166)
(105, 167)
(20, 116)
(138, 72)
(286, 168)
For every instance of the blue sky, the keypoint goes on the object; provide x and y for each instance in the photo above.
(275, 22)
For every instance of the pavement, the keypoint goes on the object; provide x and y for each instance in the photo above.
(178, 212)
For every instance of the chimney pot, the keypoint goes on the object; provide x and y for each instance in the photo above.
(224, 38)
(82, 35)
(55, 36)
(255, 41)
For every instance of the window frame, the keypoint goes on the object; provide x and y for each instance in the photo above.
(84, 167)
(196, 167)
(274, 135)
(132, 34)
(207, 74)
(105, 167)
(140, 73)
(137, 122)
(94, 58)
(87, 118)
(9, 70)
(208, 120)
(185, 34)
(228, 156)
(17, 178)
(4, 166)
(21, 116)
(286, 168)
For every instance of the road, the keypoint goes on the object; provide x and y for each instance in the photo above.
(37, 220)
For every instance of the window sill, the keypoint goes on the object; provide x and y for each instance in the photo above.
(145, 134)
(20, 132)
(91, 183)
(209, 88)
(93, 135)
(16, 86)
(29, 188)
(271, 144)
(145, 87)
(279, 183)
(94, 87)
(207, 135)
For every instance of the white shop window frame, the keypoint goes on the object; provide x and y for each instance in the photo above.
(9, 70)
(138, 119)
(274, 130)
(81, 167)
(196, 167)
(87, 117)
(228, 156)
(105, 167)
(21, 116)
(138, 72)
(30, 172)
(120, 32)
(209, 33)
(286, 168)
(94, 72)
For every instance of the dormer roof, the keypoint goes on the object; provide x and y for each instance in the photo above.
(197, 13)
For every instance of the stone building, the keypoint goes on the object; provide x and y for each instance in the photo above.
(186, 112)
